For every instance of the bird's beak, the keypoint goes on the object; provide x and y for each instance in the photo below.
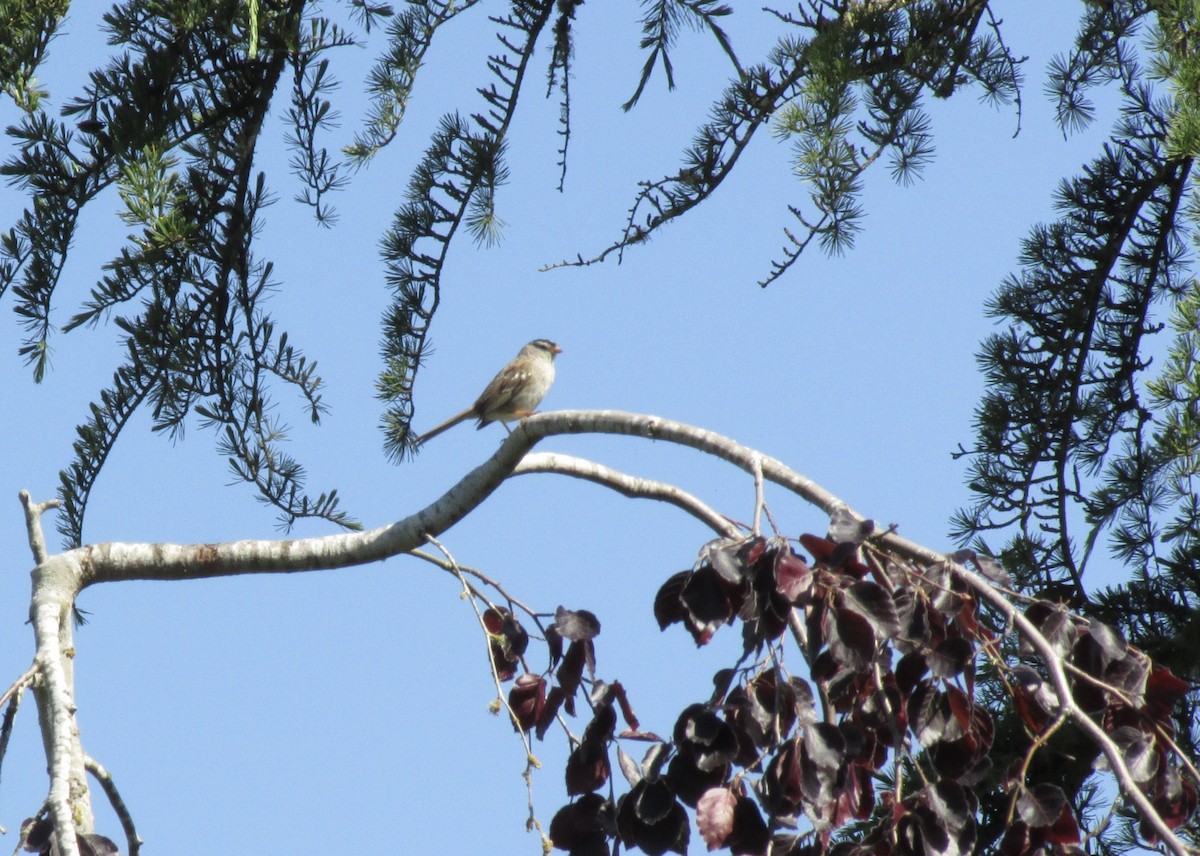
(557, 349)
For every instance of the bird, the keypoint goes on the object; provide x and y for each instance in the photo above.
(513, 393)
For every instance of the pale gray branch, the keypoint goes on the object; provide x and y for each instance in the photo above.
(33, 523)
(627, 485)
(58, 578)
(56, 713)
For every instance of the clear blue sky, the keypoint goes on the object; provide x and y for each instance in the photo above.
(347, 711)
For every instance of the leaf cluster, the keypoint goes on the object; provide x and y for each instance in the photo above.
(890, 743)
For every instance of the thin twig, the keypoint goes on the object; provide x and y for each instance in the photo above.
(467, 570)
(1037, 743)
(759, 501)
(101, 775)
(531, 761)
(20, 684)
(13, 699)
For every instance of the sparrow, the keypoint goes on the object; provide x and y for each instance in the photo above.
(513, 393)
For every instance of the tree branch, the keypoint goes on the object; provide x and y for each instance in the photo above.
(57, 579)
(114, 561)
(56, 710)
(53, 594)
(633, 487)
(114, 798)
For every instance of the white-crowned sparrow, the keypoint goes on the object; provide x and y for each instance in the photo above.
(514, 392)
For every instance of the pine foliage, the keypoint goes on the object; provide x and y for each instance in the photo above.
(172, 122)
(1086, 453)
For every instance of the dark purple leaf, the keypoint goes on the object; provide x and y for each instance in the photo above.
(947, 592)
(1137, 750)
(587, 769)
(654, 758)
(649, 817)
(570, 671)
(724, 556)
(1054, 623)
(508, 640)
(954, 806)
(952, 759)
(929, 715)
(554, 645)
(506, 664)
(516, 639)
(825, 745)
(36, 834)
(706, 605)
(821, 549)
(914, 625)
(909, 670)
(774, 705)
(750, 836)
(1175, 802)
(579, 825)
(993, 570)
(806, 708)
(576, 625)
(1163, 690)
(951, 657)
(527, 698)
(765, 614)
(1035, 700)
(1064, 831)
(622, 699)
(587, 765)
(1019, 840)
(847, 528)
(554, 700)
(793, 577)
(668, 602)
(1129, 674)
(1109, 638)
(91, 844)
(629, 767)
(1027, 677)
(688, 780)
(1041, 805)
(709, 738)
(653, 801)
(851, 640)
(1088, 657)
(874, 603)
(781, 784)
(722, 681)
(822, 753)
(880, 714)
(845, 687)
(855, 796)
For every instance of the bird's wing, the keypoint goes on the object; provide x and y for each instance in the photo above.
(499, 394)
